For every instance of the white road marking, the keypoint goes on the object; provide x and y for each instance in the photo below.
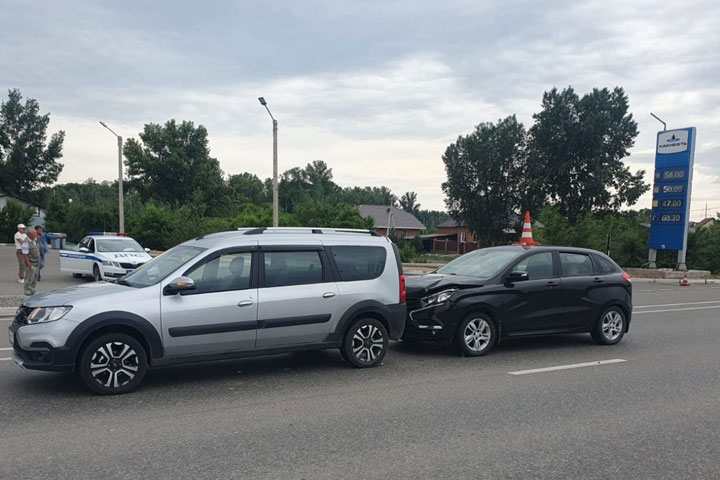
(676, 304)
(676, 310)
(5, 348)
(5, 359)
(567, 367)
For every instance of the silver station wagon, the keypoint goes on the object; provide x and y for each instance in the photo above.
(220, 296)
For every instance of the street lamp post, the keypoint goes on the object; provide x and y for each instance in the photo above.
(275, 162)
(121, 207)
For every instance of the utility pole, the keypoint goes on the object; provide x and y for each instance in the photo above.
(275, 163)
(121, 208)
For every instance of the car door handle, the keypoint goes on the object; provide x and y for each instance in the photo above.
(552, 284)
(328, 295)
(245, 303)
(598, 280)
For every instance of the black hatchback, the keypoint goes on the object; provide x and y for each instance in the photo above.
(513, 291)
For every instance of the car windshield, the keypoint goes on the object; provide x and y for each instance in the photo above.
(117, 245)
(480, 263)
(161, 266)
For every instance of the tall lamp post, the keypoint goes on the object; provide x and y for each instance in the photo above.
(121, 208)
(275, 162)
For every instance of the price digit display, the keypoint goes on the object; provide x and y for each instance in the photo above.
(673, 188)
(673, 174)
(670, 218)
(672, 203)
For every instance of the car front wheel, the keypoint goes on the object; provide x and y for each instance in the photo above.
(112, 364)
(475, 335)
(96, 274)
(610, 328)
(365, 343)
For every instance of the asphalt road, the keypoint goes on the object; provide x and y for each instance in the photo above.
(424, 414)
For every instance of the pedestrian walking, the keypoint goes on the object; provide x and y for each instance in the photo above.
(42, 243)
(19, 238)
(32, 262)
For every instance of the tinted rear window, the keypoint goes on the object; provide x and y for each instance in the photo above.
(359, 263)
(575, 264)
(292, 268)
(603, 265)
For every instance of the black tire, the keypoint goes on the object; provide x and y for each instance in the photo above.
(610, 327)
(365, 343)
(77, 275)
(96, 274)
(113, 364)
(475, 335)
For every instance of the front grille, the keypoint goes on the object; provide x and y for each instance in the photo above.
(130, 265)
(22, 314)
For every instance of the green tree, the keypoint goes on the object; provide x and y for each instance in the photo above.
(576, 149)
(13, 213)
(484, 170)
(27, 160)
(314, 213)
(171, 163)
(248, 188)
(408, 202)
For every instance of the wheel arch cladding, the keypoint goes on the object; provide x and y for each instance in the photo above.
(124, 322)
(365, 308)
(485, 310)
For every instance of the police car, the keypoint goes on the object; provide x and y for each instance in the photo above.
(104, 256)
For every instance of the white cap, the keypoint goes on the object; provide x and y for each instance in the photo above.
(20, 225)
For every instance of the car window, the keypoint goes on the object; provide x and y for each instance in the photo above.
(161, 266)
(230, 271)
(482, 263)
(91, 245)
(359, 263)
(603, 265)
(575, 264)
(292, 268)
(537, 266)
(118, 245)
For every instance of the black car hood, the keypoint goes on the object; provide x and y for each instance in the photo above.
(422, 285)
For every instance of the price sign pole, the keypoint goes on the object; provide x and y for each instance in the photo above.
(669, 217)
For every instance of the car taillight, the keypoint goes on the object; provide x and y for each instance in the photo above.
(626, 277)
(403, 291)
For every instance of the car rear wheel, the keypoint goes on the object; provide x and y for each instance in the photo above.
(610, 327)
(112, 364)
(475, 335)
(96, 273)
(365, 343)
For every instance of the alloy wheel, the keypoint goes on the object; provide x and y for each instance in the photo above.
(114, 364)
(477, 334)
(612, 325)
(367, 343)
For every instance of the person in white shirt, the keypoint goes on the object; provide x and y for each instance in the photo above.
(20, 239)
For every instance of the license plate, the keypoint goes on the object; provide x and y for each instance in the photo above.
(128, 271)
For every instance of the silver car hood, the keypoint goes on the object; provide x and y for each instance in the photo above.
(70, 295)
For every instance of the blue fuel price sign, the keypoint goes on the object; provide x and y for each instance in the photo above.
(674, 159)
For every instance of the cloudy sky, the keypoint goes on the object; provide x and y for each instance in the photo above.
(377, 89)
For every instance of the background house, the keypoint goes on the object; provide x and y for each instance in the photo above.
(386, 217)
(704, 223)
(453, 236)
(39, 216)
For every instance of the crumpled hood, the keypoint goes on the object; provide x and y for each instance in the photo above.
(70, 295)
(422, 285)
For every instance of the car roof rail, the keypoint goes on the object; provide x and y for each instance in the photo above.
(263, 230)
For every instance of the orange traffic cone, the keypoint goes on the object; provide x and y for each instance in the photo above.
(684, 282)
(526, 240)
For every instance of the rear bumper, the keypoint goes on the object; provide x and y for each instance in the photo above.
(396, 320)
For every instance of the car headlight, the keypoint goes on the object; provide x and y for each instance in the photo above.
(109, 263)
(439, 297)
(47, 314)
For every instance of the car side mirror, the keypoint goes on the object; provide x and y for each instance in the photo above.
(84, 250)
(517, 277)
(147, 250)
(180, 284)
